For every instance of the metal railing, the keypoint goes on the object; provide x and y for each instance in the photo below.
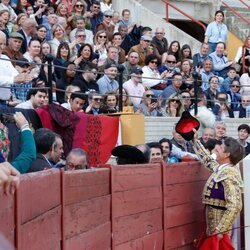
(167, 4)
(243, 2)
(236, 12)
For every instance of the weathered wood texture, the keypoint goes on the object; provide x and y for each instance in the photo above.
(119, 207)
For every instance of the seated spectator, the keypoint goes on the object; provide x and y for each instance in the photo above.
(212, 91)
(221, 108)
(186, 71)
(186, 100)
(77, 159)
(181, 143)
(167, 148)
(97, 15)
(220, 131)
(35, 99)
(110, 102)
(107, 82)
(76, 102)
(143, 49)
(59, 34)
(52, 20)
(245, 82)
(206, 74)
(243, 134)
(112, 58)
(174, 88)
(117, 41)
(28, 30)
(66, 79)
(151, 77)
(168, 67)
(86, 80)
(132, 61)
(14, 45)
(231, 75)
(62, 56)
(220, 62)
(69, 90)
(85, 55)
(107, 24)
(245, 101)
(150, 105)
(134, 87)
(174, 107)
(127, 106)
(156, 152)
(126, 19)
(186, 53)
(95, 104)
(175, 50)
(207, 134)
(234, 95)
(41, 33)
(199, 58)
(80, 25)
(49, 148)
(160, 42)
(100, 43)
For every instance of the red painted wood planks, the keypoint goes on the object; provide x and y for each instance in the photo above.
(135, 176)
(37, 193)
(43, 232)
(185, 172)
(98, 238)
(86, 215)
(136, 201)
(7, 216)
(152, 241)
(128, 228)
(86, 184)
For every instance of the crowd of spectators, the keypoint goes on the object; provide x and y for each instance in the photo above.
(90, 45)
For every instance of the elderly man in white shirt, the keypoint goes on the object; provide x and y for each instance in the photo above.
(8, 74)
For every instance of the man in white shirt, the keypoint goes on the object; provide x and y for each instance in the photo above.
(8, 74)
(134, 86)
(35, 99)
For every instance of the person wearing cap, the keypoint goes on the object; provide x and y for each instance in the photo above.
(222, 193)
(8, 74)
(107, 82)
(107, 24)
(14, 45)
(143, 49)
(134, 86)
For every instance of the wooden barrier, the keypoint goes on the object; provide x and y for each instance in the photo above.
(119, 207)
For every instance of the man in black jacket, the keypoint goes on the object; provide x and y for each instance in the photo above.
(86, 81)
(160, 42)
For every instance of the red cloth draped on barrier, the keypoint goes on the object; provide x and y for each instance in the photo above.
(213, 243)
(95, 134)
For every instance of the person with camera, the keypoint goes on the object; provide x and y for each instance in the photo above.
(221, 108)
(150, 105)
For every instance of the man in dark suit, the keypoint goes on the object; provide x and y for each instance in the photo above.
(28, 29)
(48, 147)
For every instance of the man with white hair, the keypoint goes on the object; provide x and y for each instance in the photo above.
(8, 74)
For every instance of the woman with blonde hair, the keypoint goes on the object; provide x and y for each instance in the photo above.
(58, 36)
(174, 107)
(19, 21)
(100, 43)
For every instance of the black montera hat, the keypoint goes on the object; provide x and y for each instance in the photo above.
(128, 155)
(186, 124)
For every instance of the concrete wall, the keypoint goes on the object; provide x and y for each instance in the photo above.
(146, 17)
(159, 127)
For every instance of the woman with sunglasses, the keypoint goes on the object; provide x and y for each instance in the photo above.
(174, 107)
(151, 77)
(79, 9)
(100, 43)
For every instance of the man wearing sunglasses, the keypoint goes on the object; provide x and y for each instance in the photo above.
(96, 15)
(95, 103)
(107, 24)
